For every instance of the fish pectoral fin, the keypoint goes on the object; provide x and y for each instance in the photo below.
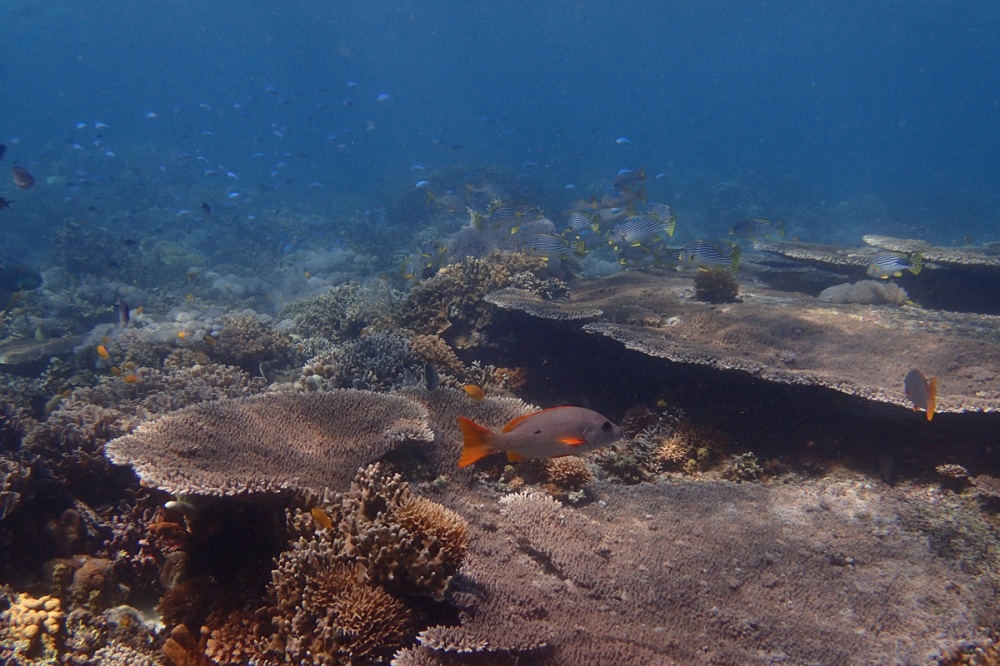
(515, 457)
(571, 441)
(475, 442)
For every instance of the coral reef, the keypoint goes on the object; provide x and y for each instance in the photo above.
(335, 591)
(377, 361)
(340, 313)
(433, 349)
(31, 628)
(568, 473)
(793, 339)
(270, 443)
(248, 340)
(743, 467)
(716, 286)
(635, 578)
(451, 303)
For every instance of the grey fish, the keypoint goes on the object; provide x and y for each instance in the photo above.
(921, 391)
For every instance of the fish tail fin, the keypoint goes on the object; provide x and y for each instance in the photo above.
(671, 224)
(475, 442)
(931, 397)
(916, 263)
(734, 257)
(475, 219)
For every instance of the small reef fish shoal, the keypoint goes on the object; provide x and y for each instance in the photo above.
(892, 264)
(921, 391)
(559, 431)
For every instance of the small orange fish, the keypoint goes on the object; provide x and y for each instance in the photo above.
(559, 431)
(102, 351)
(181, 334)
(210, 340)
(138, 310)
(130, 365)
(921, 391)
(130, 379)
(308, 275)
(116, 371)
(189, 296)
(323, 520)
(474, 392)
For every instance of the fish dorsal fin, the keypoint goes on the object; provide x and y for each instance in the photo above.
(520, 419)
(515, 457)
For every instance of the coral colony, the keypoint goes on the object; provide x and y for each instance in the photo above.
(265, 469)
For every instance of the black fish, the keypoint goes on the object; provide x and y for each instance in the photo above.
(5, 203)
(17, 276)
(3, 150)
(205, 209)
(431, 376)
(123, 312)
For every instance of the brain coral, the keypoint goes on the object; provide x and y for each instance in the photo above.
(269, 443)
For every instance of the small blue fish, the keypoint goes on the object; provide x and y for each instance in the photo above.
(383, 98)
(422, 184)
(892, 264)
(623, 141)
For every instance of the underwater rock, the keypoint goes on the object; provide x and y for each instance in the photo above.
(865, 292)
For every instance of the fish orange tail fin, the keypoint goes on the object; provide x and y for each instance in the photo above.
(475, 442)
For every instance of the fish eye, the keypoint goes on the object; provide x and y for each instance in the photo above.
(606, 427)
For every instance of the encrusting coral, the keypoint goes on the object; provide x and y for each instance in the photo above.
(32, 626)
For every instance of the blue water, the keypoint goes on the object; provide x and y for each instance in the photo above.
(808, 104)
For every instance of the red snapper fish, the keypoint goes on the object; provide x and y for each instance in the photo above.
(559, 431)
